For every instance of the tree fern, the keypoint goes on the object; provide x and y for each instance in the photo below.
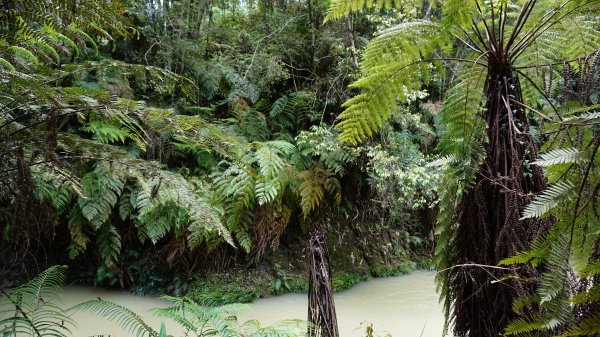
(58, 27)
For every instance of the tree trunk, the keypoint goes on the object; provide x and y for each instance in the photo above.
(313, 37)
(490, 226)
(321, 309)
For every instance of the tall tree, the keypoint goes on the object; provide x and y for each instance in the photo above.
(495, 48)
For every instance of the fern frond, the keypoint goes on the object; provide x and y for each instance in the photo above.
(315, 183)
(342, 8)
(587, 327)
(7, 65)
(549, 199)
(554, 280)
(31, 309)
(127, 319)
(101, 193)
(589, 296)
(77, 226)
(537, 253)
(523, 325)
(559, 156)
(24, 54)
(391, 70)
(442, 161)
(109, 244)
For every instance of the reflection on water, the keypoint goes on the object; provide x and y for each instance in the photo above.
(403, 306)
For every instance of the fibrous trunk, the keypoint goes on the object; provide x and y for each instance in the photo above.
(321, 309)
(490, 229)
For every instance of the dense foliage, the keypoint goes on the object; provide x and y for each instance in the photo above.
(147, 142)
(154, 139)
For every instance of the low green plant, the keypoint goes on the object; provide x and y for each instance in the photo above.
(345, 280)
(424, 263)
(298, 284)
(394, 270)
(224, 294)
(369, 330)
(280, 283)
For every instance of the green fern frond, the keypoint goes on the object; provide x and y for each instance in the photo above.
(523, 325)
(554, 280)
(537, 253)
(315, 183)
(202, 319)
(584, 114)
(589, 296)
(269, 160)
(45, 48)
(24, 54)
(591, 269)
(109, 244)
(549, 199)
(32, 308)
(101, 193)
(77, 226)
(342, 8)
(442, 161)
(587, 327)
(7, 65)
(391, 69)
(267, 191)
(107, 133)
(559, 156)
(457, 13)
(85, 36)
(127, 319)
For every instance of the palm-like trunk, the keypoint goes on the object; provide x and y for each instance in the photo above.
(490, 229)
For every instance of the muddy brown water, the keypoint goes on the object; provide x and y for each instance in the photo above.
(402, 306)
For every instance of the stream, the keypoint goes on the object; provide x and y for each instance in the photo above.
(402, 306)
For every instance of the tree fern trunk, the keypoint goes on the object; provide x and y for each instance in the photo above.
(490, 229)
(321, 308)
